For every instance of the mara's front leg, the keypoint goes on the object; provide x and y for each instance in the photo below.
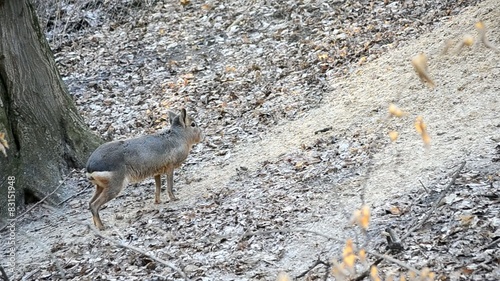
(158, 189)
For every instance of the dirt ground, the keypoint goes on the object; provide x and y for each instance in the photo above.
(241, 191)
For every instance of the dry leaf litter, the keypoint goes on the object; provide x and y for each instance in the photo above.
(243, 67)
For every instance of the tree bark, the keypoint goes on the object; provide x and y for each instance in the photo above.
(46, 135)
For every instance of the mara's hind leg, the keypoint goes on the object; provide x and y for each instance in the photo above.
(98, 191)
(109, 192)
(95, 212)
(170, 185)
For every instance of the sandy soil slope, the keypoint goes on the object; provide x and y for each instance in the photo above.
(462, 116)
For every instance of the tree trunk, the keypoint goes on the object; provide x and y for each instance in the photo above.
(45, 133)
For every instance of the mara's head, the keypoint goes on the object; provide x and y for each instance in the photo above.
(184, 123)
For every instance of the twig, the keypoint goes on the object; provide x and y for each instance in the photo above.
(431, 211)
(327, 272)
(365, 274)
(56, 262)
(238, 19)
(323, 130)
(28, 276)
(425, 188)
(318, 262)
(123, 245)
(137, 250)
(4, 275)
(363, 193)
(41, 200)
(496, 241)
(73, 196)
(398, 262)
(436, 203)
(369, 171)
(291, 230)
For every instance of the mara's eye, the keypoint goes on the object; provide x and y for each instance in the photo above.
(193, 124)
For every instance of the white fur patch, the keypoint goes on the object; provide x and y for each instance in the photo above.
(100, 178)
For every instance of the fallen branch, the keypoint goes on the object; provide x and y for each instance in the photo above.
(327, 271)
(73, 196)
(436, 203)
(393, 260)
(318, 262)
(291, 230)
(496, 241)
(60, 269)
(425, 188)
(39, 202)
(366, 273)
(125, 246)
(4, 275)
(137, 250)
(323, 130)
(30, 274)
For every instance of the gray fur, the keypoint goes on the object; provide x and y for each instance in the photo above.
(112, 165)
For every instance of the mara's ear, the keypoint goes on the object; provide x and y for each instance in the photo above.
(171, 116)
(183, 117)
